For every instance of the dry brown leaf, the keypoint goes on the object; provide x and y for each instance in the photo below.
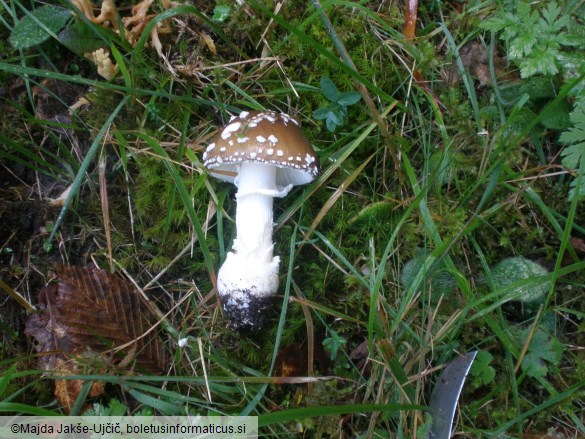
(67, 391)
(578, 244)
(293, 360)
(475, 59)
(89, 307)
(360, 352)
(92, 321)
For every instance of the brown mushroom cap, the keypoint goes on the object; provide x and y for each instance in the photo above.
(263, 137)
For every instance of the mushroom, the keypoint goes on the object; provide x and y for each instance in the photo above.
(264, 154)
(105, 67)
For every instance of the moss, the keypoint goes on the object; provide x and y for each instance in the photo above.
(162, 225)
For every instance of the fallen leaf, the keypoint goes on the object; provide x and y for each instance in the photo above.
(292, 361)
(361, 351)
(360, 356)
(93, 322)
(475, 59)
(67, 391)
(578, 244)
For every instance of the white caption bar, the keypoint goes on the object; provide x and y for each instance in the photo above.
(131, 427)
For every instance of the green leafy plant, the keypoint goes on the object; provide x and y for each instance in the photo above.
(33, 28)
(481, 371)
(440, 281)
(547, 44)
(221, 13)
(515, 270)
(335, 113)
(114, 407)
(533, 94)
(37, 26)
(545, 350)
(5, 380)
(79, 38)
(535, 38)
(574, 154)
(333, 344)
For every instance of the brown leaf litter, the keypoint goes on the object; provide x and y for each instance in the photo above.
(93, 322)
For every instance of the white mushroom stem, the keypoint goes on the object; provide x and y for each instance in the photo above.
(256, 184)
(250, 271)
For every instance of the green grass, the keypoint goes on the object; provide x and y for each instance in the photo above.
(469, 173)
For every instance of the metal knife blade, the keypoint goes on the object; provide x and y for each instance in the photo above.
(446, 394)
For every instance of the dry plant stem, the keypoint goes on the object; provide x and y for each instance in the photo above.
(105, 206)
(363, 90)
(409, 31)
(202, 357)
(375, 415)
(528, 339)
(410, 19)
(16, 296)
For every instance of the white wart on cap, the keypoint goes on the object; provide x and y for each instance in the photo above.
(264, 154)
